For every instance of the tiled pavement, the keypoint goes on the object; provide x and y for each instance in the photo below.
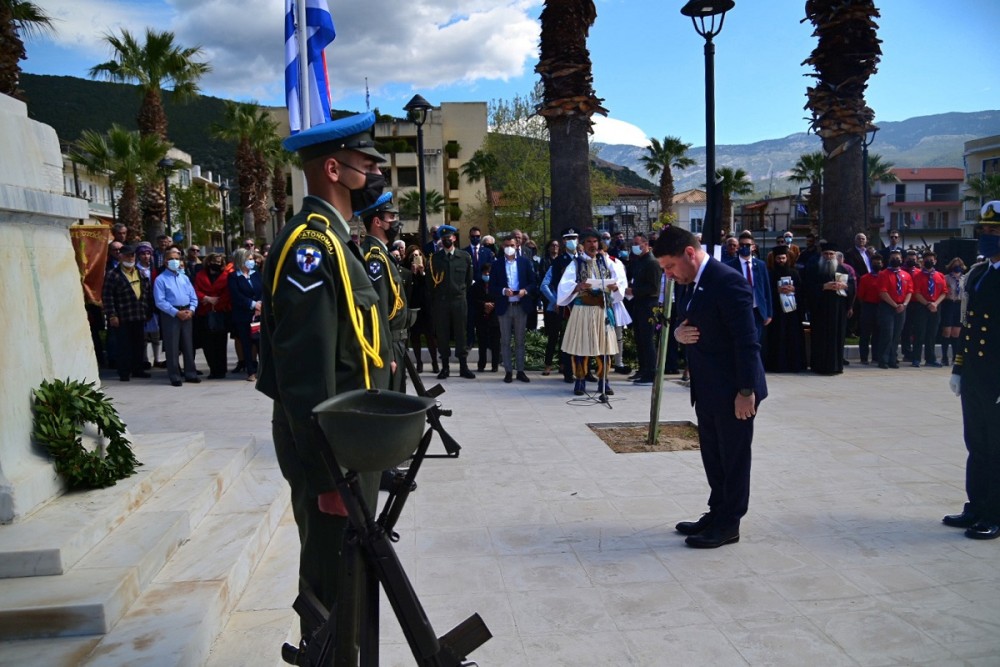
(568, 552)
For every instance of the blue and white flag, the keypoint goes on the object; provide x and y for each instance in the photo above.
(319, 34)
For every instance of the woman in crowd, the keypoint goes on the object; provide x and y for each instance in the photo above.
(214, 312)
(246, 290)
(424, 326)
(785, 340)
(951, 325)
(144, 262)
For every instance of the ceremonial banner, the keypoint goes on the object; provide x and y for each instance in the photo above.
(90, 247)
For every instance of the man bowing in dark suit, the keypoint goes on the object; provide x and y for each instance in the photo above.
(727, 378)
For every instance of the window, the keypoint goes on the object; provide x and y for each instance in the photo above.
(944, 219)
(406, 177)
(696, 225)
(900, 192)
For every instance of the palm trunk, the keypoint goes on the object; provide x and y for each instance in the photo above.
(843, 214)
(154, 209)
(569, 160)
(129, 214)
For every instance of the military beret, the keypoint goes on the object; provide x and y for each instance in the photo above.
(445, 230)
(382, 205)
(353, 132)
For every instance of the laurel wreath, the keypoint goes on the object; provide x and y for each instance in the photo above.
(62, 407)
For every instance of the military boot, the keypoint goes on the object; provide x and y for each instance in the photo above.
(445, 370)
(463, 370)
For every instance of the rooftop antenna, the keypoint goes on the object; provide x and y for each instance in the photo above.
(368, 99)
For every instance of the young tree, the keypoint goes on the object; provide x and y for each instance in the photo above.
(846, 55)
(482, 166)
(130, 161)
(409, 204)
(662, 158)
(568, 105)
(18, 18)
(983, 188)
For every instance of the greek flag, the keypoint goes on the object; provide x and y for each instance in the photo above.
(319, 34)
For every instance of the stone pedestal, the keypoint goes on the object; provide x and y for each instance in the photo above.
(43, 324)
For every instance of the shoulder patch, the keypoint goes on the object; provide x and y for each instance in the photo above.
(320, 237)
(304, 288)
(308, 257)
(375, 268)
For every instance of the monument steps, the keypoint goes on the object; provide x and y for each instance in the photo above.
(162, 583)
(58, 534)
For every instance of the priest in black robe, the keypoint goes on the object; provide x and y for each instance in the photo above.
(830, 290)
(786, 348)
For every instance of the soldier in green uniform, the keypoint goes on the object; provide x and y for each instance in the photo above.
(976, 380)
(382, 226)
(323, 332)
(450, 271)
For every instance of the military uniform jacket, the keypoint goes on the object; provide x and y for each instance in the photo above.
(388, 283)
(978, 359)
(450, 275)
(323, 329)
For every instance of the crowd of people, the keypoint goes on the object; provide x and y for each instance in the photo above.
(162, 299)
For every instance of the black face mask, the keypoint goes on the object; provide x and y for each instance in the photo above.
(910, 263)
(928, 264)
(366, 196)
(448, 241)
(474, 240)
(895, 263)
(395, 227)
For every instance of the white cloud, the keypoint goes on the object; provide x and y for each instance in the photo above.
(614, 131)
(82, 24)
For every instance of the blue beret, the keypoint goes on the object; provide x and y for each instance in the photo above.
(382, 205)
(446, 229)
(353, 132)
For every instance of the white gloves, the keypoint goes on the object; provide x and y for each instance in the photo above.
(956, 384)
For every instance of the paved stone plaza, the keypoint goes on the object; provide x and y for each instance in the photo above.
(568, 551)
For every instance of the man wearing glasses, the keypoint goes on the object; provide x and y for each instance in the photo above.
(894, 246)
(248, 244)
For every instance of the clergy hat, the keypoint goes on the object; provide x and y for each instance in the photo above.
(355, 132)
(990, 213)
(780, 250)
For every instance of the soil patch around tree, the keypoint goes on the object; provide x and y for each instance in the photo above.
(631, 437)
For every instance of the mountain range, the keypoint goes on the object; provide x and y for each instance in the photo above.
(923, 141)
(72, 104)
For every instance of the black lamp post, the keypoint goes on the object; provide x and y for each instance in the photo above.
(274, 220)
(866, 141)
(227, 242)
(418, 109)
(166, 164)
(703, 15)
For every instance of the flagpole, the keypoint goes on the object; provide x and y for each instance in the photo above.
(301, 34)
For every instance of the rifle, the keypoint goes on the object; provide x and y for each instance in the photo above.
(435, 412)
(374, 540)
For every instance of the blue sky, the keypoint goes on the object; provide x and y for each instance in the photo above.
(648, 62)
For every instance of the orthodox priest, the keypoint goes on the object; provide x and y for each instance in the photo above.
(785, 340)
(830, 289)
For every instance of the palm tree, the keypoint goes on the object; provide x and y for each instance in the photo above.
(734, 182)
(983, 188)
(879, 171)
(252, 129)
(662, 158)
(809, 169)
(154, 64)
(409, 204)
(846, 55)
(130, 160)
(568, 103)
(17, 18)
(482, 166)
(277, 159)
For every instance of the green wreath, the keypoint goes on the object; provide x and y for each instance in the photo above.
(62, 408)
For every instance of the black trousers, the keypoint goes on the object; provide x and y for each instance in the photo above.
(725, 453)
(214, 345)
(488, 338)
(981, 422)
(868, 331)
(926, 326)
(553, 334)
(129, 339)
(450, 320)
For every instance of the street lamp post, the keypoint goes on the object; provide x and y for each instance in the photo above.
(274, 220)
(165, 164)
(703, 15)
(866, 141)
(418, 109)
(227, 242)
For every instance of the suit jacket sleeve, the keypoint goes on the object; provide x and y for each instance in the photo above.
(767, 307)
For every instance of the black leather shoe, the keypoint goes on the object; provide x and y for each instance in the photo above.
(713, 537)
(522, 377)
(964, 520)
(445, 372)
(194, 380)
(176, 383)
(635, 376)
(984, 530)
(466, 373)
(508, 378)
(694, 527)
(590, 377)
